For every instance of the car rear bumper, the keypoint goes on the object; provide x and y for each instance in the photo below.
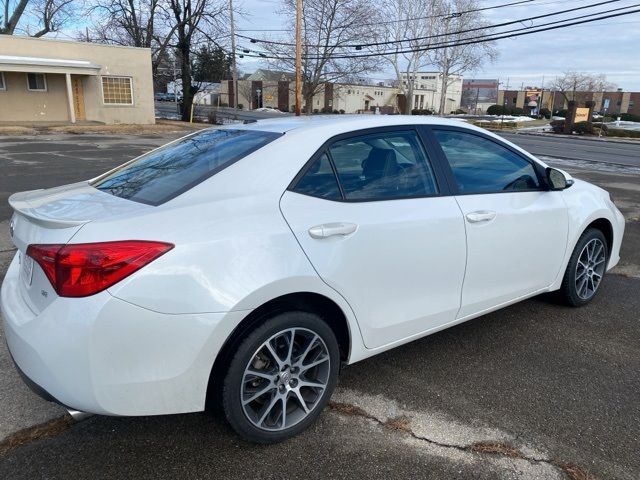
(103, 355)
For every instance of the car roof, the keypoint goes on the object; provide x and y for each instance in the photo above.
(343, 122)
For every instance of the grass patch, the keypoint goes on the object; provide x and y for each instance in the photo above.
(400, 423)
(574, 472)
(496, 448)
(38, 432)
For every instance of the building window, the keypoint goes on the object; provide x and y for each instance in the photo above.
(117, 91)
(3, 86)
(36, 82)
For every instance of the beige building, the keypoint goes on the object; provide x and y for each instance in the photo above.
(58, 81)
(427, 91)
(275, 89)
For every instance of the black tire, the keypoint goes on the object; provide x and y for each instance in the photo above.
(234, 381)
(569, 293)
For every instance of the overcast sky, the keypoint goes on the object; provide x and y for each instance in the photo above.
(610, 46)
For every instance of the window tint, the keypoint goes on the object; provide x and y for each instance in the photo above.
(383, 166)
(319, 180)
(169, 171)
(480, 165)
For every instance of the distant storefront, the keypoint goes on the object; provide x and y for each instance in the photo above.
(479, 94)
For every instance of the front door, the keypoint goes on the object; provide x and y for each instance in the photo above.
(78, 98)
(516, 229)
(385, 236)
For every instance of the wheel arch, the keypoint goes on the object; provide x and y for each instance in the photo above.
(310, 302)
(606, 227)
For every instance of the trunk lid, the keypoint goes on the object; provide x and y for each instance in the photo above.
(54, 216)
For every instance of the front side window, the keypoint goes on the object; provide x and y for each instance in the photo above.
(36, 82)
(164, 173)
(480, 165)
(117, 90)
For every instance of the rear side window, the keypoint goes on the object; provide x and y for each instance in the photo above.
(169, 171)
(480, 165)
(379, 166)
(319, 180)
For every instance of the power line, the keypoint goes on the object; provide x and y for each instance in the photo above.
(489, 37)
(493, 37)
(441, 15)
(391, 42)
(513, 4)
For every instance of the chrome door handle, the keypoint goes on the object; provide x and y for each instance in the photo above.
(331, 229)
(480, 216)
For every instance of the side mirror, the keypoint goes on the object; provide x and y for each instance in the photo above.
(556, 180)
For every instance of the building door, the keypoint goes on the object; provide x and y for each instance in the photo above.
(78, 98)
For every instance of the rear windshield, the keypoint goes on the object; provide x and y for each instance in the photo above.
(167, 172)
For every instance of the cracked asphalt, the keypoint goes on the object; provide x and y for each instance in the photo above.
(536, 390)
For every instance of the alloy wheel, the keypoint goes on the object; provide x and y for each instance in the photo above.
(285, 379)
(590, 268)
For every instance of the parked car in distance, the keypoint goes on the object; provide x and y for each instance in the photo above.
(267, 110)
(165, 97)
(243, 265)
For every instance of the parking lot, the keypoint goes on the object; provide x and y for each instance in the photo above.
(536, 390)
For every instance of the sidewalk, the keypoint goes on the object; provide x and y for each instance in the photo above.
(161, 126)
(630, 141)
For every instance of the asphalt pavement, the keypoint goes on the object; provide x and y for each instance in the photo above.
(536, 390)
(581, 149)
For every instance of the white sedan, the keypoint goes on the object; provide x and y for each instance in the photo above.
(244, 265)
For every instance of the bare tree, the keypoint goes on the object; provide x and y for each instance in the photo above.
(407, 19)
(164, 26)
(135, 24)
(456, 58)
(125, 22)
(572, 84)
(328, 25)
(191, 20)
(42, 15)
(245, 90)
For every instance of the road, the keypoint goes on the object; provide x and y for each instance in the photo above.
(577, 149)
(581, 149)
(545, 388)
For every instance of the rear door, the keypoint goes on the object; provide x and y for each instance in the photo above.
(516, 229)
(387, 236)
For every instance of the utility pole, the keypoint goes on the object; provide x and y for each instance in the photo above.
(504, 103)
(298, 57)
(234, 68)
(445, 69)
(475, 110)
(541, 96)
(175, 83)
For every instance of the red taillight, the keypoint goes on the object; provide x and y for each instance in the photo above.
(87, 268)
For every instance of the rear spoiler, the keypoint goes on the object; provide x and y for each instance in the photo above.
(24, 208)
